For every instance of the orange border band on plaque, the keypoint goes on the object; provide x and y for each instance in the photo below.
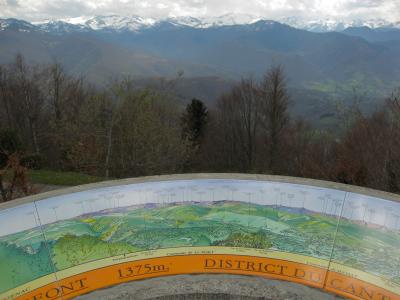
(73, 286)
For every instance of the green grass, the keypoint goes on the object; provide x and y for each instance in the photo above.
(359, 83)
(61, 178)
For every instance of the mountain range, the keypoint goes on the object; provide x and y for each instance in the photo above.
(136, 23)
(322, 58)
(225, 46)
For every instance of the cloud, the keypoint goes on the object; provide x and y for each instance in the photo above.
(12, 3)
(42, 9)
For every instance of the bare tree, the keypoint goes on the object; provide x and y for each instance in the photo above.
(57, 81)
(238, 121)
(393, 162)
(5, 97)
(28, 97)
(275, 117)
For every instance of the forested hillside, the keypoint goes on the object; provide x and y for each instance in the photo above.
(55, 121)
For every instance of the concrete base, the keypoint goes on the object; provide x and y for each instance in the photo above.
(210, 287)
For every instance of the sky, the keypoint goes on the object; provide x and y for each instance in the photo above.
(36, 10)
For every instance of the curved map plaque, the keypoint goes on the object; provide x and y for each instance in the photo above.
(69, 243)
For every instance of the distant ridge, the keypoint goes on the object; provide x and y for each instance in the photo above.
(137, 23)
(320, 66)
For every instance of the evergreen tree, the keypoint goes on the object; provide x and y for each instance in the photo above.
(194, 121)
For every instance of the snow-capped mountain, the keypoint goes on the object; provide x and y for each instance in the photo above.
(115, 22)
(14, 24)
(334, 24)
(224, 20)
(60, 27)
(112, 22)
(107, 46)
(131, 23)
(137, 23)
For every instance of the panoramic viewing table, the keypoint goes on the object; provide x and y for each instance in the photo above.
(338, 238)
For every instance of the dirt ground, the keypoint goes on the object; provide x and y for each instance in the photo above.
(209, 287)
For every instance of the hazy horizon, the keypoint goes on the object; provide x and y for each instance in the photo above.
(38, 10)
